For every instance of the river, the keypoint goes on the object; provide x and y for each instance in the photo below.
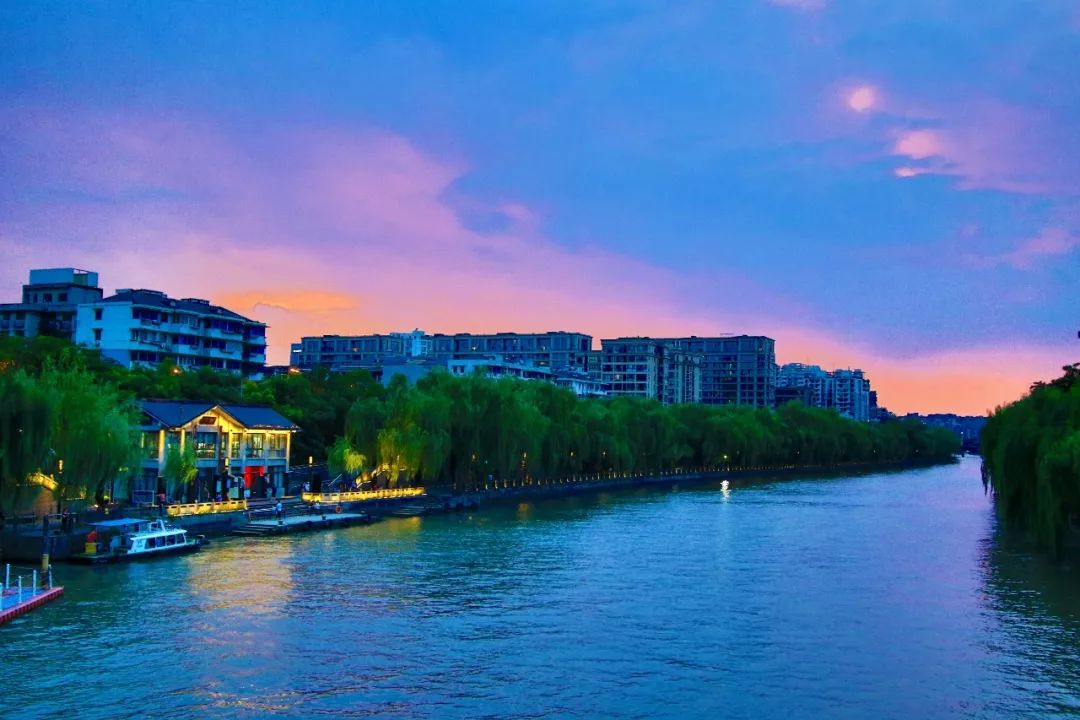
(891, 595)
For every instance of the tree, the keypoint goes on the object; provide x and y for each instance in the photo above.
(26, 425)
(343, 459)
(1031, 457)
(179, 470)
(93, 429)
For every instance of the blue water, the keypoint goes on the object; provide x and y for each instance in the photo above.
(880, 596)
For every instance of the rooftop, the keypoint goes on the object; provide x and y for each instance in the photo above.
(177, 413)
(158, 299)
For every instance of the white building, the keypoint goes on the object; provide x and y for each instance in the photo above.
(846, 391)
(417, 344)
(49, 303)
(146, 327)
(851, 394)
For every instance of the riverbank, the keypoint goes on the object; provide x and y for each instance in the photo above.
(446, 500)
(28, 548)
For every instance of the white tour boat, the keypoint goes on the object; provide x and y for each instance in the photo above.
(132, 539)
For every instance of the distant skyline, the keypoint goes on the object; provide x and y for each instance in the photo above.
(890, 186)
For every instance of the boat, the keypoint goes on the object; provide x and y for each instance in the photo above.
(134, 539)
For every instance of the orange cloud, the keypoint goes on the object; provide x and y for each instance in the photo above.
(353, 233)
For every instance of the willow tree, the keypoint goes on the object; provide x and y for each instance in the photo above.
(1031, 454)
(93, 431)
(179, 470)
(343, 459)
(26, 424)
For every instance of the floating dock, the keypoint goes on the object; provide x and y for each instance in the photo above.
(301, 523)
(18, 597)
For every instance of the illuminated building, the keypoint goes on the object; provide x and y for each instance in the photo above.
(238, 448)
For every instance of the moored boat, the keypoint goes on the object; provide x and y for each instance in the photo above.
(133, 539)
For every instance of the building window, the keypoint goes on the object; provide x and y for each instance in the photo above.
(277, 445)
(61, 297)
(255, 445)
(149, 442)
(97, 313)
(97, 335)
(206, 444)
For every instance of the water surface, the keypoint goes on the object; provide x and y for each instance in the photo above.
(886, 596)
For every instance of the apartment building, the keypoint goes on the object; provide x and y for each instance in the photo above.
(846, 391)
(341, 353)
(147, 327)
(735, 369)
(49, 301)
(557, 350)
(649, 368)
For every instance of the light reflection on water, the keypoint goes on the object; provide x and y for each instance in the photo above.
(878, 596)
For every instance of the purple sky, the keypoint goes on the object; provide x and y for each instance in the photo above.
(888, 185)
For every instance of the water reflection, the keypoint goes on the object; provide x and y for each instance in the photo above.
(885, 596)
(1034, 604)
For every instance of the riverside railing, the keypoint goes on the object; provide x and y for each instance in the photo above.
(22, 585)
(361, 495)
(206, 508)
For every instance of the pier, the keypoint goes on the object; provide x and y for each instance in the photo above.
(23, 590)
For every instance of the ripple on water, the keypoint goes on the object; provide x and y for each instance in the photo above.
(886, 596)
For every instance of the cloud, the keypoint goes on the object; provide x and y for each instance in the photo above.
(302, 301)
(986, 144)
(316, 230)
(799, 4)
(920, 144)
(1028, 255)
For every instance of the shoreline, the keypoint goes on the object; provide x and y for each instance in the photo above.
(460, 501)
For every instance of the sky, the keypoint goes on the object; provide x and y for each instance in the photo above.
(893, 186)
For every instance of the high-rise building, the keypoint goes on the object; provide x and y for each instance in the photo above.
(735, 369)
(49, 303)
(846, 391)
(811, 377)
(851, 394)
(650, 368)
(147, 327)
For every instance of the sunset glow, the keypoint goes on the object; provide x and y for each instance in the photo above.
(612, 173)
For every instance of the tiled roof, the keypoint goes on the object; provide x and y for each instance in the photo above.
(176, 413)
(259, 417)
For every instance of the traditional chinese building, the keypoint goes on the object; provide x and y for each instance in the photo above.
(240, 450)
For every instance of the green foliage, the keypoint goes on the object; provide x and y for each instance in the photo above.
(26, 424)
(460, 431)
(343, 459)
(94, 428)
(179, 470)
(1031, 457)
